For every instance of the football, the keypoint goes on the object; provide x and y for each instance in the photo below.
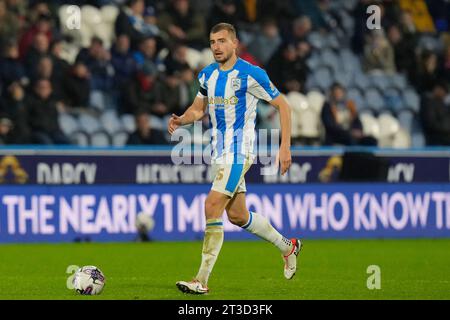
(89, 280)
(144, 223)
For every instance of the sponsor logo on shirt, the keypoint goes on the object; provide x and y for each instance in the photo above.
(221, 101)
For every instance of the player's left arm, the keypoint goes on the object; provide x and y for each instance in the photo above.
(261, 87)
(283, 107)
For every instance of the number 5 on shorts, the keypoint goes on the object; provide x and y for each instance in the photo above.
(219, 175)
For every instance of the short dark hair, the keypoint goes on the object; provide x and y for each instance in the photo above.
(224, 26)
(141, 112)
(337, 85)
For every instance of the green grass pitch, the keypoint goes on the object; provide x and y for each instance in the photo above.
(328, 269)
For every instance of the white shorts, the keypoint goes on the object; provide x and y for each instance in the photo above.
(229, 176)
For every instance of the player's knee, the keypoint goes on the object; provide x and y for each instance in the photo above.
(237, 218)
(212, 206)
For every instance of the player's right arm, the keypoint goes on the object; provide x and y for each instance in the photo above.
(194, 113)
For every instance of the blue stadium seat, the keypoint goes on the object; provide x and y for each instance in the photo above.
(411, 99)
(379, 80)
(331, 41)
(349, 61)
(342, 77)
(417, 140)
(313, 61)
(110, 121)
(316, 40)
(100, 139)
(80, 138)
(67, 123)
(398, 81)
(361, 81)
(329, 58)
(373, 99)
(323, 78)
(119, 139)
(128, 122)
(393, 99)
(88, 123)
(157, 123)
(406, 119)
(355, 95)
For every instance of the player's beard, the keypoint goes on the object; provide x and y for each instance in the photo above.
(224, 58)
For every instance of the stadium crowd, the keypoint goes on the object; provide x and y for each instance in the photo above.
(147, 67)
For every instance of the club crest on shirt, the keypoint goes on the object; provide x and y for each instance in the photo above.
(236, 83)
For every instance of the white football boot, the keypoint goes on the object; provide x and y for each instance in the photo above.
(290, 260)
(193, 287)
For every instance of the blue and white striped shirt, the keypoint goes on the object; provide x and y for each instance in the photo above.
(232, 99)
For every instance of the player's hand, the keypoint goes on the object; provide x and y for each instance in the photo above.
(174, 123)
(285, 159)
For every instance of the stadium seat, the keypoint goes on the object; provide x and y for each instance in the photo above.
(398, 81)
(361, 81)
(110, 121)
(128, 122)
(379, 80)
(389, 127)
(348, 23)
(370, 125)
(316, 40)
(313, 62)
(105, 32)
(100, 139)
(88, 123)
(67, 123)
(411, 99)
(109, 13)
(207, 57)
(343, 78)
(331, 41)
(309, 123)
(349, 61)
(193, 58)
(157, 123)
(406, 118)
(417, 140)
(315, 100)
(91, 15)
(64, 13)
(373, 99)
(91, 19)
(298, 102)
(349, 5)
(80, 138)
(323, 77)
(119, 139)
(355, 95)
(392, 99)
(329, 58)
(402, 139)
